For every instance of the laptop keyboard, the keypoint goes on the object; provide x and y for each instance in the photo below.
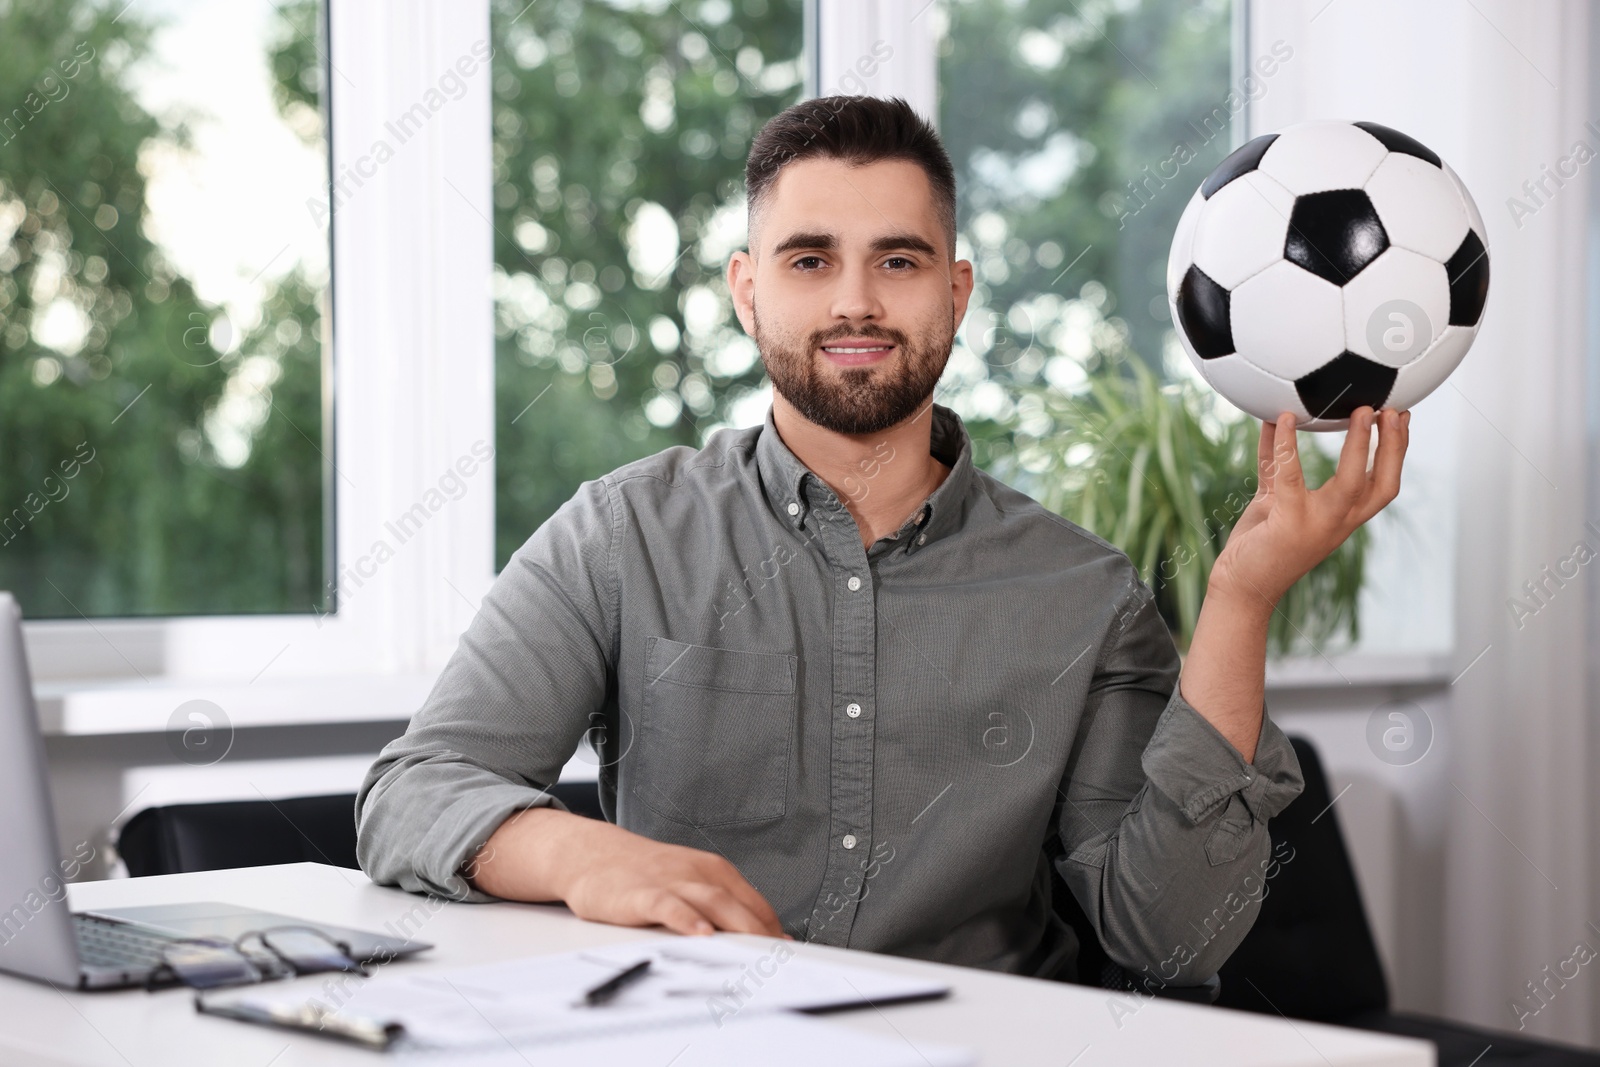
(107, 943)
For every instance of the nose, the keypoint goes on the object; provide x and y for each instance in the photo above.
(855, 294)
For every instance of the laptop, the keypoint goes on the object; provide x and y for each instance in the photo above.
(40, 937)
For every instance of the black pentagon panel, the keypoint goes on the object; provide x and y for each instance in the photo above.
(1203, 309)
(1335, 234)
(1468, 270)
(1395, 141)
(1242, 160)
(1344, 383)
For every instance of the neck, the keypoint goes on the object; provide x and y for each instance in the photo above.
(883, 478)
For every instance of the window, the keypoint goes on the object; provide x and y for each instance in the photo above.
(162, 291)
(1078, 133)
(620, 136)
(165, 221)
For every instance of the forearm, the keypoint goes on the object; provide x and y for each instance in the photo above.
(1224, 673)
(531, 856)
(605, 873)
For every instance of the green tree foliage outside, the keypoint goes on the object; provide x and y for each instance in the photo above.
(1079, 132)
(611, 119)
(156, 522)
(606, 110)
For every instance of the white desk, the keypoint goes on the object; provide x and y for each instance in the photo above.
(1009, 1021)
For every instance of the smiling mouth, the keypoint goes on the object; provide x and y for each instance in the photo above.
(857, 353)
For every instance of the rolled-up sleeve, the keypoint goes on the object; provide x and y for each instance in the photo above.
(509, 709)
(1163, 821)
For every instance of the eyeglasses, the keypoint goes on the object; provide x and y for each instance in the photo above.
(254, 956)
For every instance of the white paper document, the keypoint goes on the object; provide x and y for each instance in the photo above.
(769, 1039)
(693, 992)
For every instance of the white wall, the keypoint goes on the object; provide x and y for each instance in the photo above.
(1476, 861)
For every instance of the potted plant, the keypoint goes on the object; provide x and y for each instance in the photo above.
(1162, 471)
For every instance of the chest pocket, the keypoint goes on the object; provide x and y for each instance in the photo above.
(715, 734)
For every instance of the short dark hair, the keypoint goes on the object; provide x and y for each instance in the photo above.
(857, 130)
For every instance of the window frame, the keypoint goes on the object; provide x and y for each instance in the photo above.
(411, 255)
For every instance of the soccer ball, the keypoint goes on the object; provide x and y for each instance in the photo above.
(1327, 266)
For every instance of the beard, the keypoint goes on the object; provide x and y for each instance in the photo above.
(858, 400)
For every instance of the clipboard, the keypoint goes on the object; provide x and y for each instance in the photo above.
(310, 1016)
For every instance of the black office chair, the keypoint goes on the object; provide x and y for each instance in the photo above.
(1310, 954)
(179, 838)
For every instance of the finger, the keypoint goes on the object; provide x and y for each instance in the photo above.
(1385, 484)
(675, 913)
(1350, 477)
(727, 876)
(1287, 478)
(726, 910)
(1264, 463)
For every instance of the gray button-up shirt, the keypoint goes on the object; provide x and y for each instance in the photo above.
(894, 744)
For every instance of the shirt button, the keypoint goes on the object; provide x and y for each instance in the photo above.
(854, 711)
(854, 583)
(922, 539)
(794, 509)
(849, 841)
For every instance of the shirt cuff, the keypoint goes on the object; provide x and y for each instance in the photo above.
(1199, 770)
(461, 830)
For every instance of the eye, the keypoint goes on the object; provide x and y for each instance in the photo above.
(899, 259)
(807, 259)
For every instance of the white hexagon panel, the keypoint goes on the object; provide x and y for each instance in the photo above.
(1287, 321)
(1422, 376)
(1314, 157)
(1182, 254)
(1397, 307)
(1252, 389)
(1419, 206)
(1241, 232)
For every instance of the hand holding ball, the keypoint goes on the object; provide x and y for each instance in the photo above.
(1325, 267)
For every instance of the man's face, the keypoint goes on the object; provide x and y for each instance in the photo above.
(851, 294)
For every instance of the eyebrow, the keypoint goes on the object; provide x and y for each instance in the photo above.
(827, 242)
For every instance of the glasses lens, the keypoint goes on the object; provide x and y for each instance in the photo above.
(203, 966)
(308, 951)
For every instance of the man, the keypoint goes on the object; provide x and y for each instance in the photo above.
(844, 686)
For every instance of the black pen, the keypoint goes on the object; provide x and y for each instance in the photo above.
(608, 989)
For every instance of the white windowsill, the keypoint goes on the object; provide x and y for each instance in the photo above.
(118, 706)
(1358, 669)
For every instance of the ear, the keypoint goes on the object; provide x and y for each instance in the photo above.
(742, 287)
(961, 284)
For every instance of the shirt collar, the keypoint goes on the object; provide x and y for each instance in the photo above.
(784, 479)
